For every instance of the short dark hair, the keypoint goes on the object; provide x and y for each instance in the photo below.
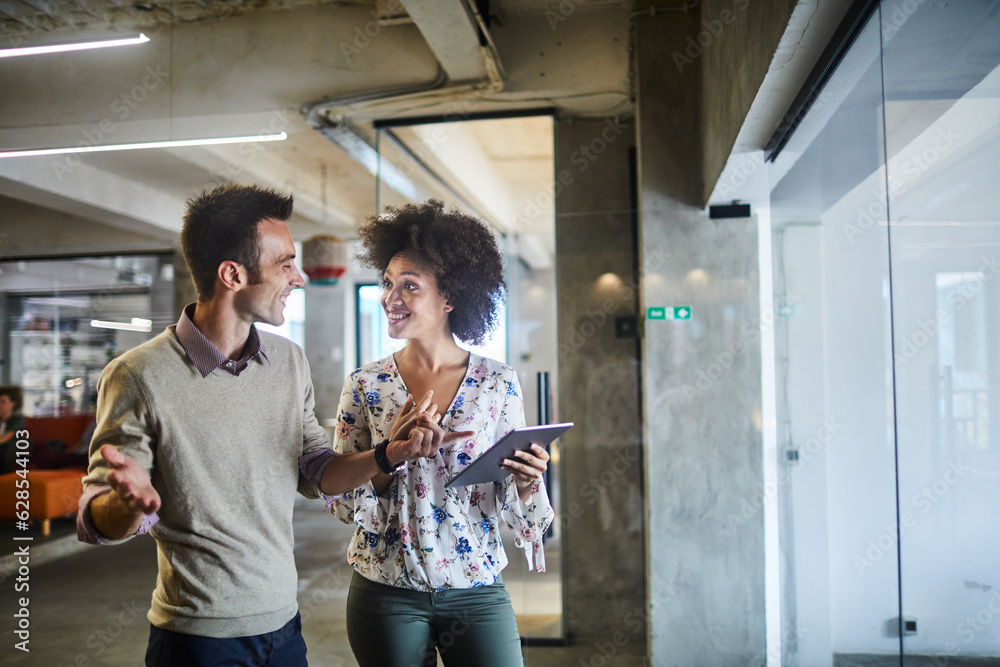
(221, 225)
(14, 393)
(459, 249)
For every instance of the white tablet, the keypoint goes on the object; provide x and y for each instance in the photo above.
(486, 467)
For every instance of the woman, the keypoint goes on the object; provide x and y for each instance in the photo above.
(427, 559)
(11, 421)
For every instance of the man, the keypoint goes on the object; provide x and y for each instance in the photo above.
(205, 433)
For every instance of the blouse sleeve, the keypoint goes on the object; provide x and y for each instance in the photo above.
(529, 519)
(361, 505)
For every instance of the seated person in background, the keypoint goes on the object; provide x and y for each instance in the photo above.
(11, 421)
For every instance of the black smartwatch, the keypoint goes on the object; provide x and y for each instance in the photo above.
(382, 460)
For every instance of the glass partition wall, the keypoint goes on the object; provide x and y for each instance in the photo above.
(885, 213)
(63, 320)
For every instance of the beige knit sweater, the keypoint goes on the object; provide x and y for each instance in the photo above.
(222, 451)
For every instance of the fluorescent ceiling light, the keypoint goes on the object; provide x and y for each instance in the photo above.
(281, 136)
(75, 46)
(137, 324)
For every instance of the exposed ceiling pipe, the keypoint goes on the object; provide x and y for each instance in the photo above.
(331, 116)
(494, 68)
(318, 113)
(315, 113)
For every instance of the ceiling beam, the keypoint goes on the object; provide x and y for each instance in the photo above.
(268, 168)
(91, 193)
(452, 36)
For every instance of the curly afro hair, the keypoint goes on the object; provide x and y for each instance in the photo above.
(461, 252)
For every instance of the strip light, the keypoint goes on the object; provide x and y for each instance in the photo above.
(281, 136)
(75, 46)
(137, 324)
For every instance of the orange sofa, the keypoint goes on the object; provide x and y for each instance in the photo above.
(68, 429)
(53, 493)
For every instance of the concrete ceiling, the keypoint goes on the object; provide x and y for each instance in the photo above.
(242, 68)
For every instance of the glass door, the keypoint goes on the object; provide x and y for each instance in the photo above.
(941, 64)
(885, 243)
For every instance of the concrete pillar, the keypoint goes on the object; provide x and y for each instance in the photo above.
(324, 344)
(598, 382)
(184, 292)
(697, 74)
(163, 292)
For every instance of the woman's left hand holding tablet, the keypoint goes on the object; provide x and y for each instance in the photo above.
(528, 468)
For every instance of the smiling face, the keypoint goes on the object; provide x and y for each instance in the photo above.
(265, 300)
(412, 302)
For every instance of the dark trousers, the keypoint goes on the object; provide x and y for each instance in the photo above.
(399, 627)
(282, 648)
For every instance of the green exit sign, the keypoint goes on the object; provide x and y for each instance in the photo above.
(679, 313)
(669, 313)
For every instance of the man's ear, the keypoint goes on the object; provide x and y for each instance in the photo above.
(232, 275)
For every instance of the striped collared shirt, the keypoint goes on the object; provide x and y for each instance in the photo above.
(205, 356)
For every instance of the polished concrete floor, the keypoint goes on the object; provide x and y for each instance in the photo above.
(88, 607)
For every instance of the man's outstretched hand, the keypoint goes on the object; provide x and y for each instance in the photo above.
(417, 431)
(130, 481)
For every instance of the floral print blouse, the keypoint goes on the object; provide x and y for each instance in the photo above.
(418, 534)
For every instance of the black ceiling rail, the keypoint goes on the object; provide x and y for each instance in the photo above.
(458, 116)
(845, 36)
